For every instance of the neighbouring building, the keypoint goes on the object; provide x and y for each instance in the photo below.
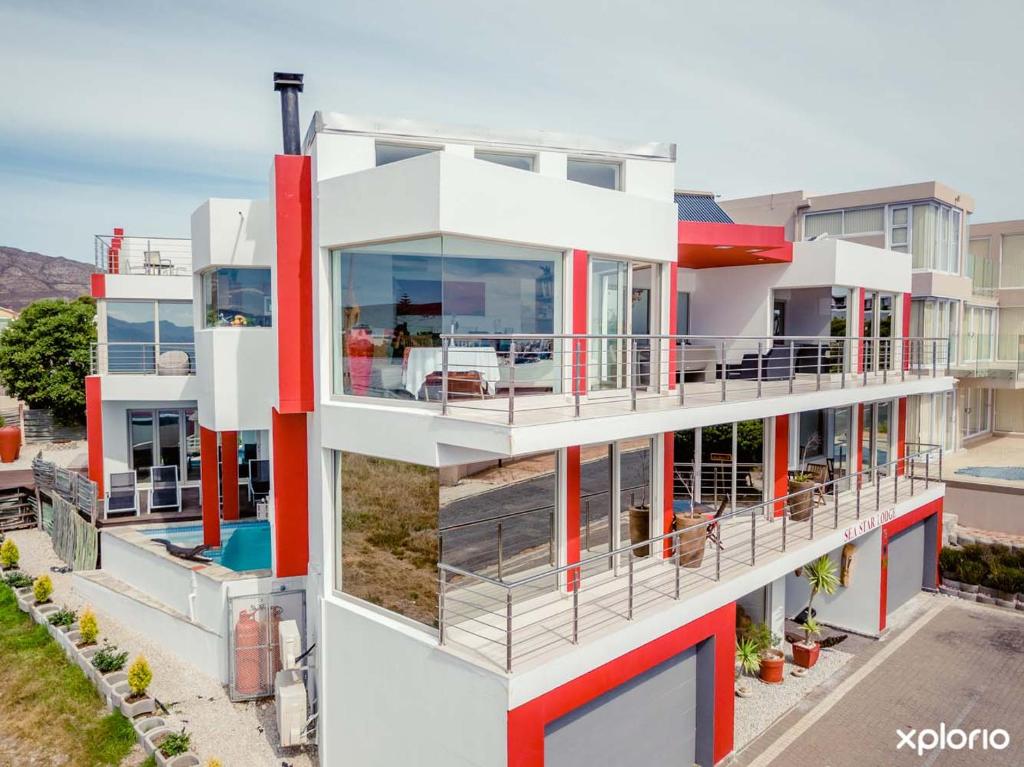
(537, 430)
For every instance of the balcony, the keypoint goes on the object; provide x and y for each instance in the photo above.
(538, 379)
(154, 359)
(513, 624)
(153, 256)
(997, 356)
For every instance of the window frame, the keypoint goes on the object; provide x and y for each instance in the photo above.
(614, 164)
(207, 300)
(427, 149)
(531, 157)
(842, 213)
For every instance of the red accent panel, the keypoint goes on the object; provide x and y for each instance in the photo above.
(118, 231)
(580, 278)
(572, 510)
(781, 460)
(229, 472)
(293, 208)
(526, 722)
(94, 429)
(98, 285)
(669, 485)
(673, 322)
(291, 494)
(208, 486)
(860, 329)
(898, 526)
(901, 437)
(704, 245)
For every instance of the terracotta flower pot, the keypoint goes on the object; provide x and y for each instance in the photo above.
(772, 666)
(692, 536)
(806, 656)
(800, 506)
(10, 443)
(640, 529)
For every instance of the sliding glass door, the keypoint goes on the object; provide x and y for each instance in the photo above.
(876, 439)
(165, 437)
(608, 290)
(879, 330)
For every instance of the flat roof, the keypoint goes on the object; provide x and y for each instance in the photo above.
(498, 138)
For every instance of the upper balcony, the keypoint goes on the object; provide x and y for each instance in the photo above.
(149, 256)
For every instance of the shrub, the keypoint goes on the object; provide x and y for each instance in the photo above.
(748, 656)
(108, 659)
(949, 561)
(88, 627)
(42, 588)
(139, 677)
(971, 571)
(17, 579)
(761, 635)
(63, 617)
(1009, 580)
(176, 743)
(213, 763)
(9, 554)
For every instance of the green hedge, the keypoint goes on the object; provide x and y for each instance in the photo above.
(993, 565)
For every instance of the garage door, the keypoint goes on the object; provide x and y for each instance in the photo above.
(649, 720)
(906, 566)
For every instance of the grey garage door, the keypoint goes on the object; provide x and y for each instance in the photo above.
(649, 720)
(906, 566)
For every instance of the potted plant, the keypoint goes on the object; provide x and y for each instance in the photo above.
(10, 442)
(1008, 582)
(748, 660)
(822, 578)
(107, 664)
(771, 658)
(22, 585)
(42, 589)
(693, 532)
(970, 573)
(802, 484)
(146, 725)
(137, 701)
(640, 528)
(62, 622)
(85, 645)
(9, 555)
(171, 745)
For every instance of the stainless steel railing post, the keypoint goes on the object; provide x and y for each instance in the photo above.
(442, 581)
(835, 499)
(633, 373)
(753, 539)
(444, 375)
(792, 366)
(508, 632)
(501, 551)
(629, 604)
(511, 381)
(551, 537)
(682, 370)
(675, 561)
(576, 612)
(819, 368)
(760, 361)
(575, 374)
(723, 371)
(927, 468)
(784, 515)
(857, 486)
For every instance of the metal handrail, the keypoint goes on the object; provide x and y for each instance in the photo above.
(139, 358)
(126, 254)
(670, 542)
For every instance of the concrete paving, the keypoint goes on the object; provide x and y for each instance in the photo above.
(953, 663)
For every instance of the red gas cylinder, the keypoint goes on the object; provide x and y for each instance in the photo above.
(248, 679)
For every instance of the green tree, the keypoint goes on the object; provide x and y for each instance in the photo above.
(44, 356)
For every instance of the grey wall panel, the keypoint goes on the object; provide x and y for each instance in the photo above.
(649, 720)
(906, 566)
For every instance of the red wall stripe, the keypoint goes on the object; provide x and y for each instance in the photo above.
(526, 722)
(580, 277)
(294, 217)
(780, 484)
(94, 429)
(229, 473)
(895, 527)
(291, 494)
(208, 486)
(572, 510)
(98, 285)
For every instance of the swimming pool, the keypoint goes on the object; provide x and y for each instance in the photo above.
(994, 472)
(244, 545)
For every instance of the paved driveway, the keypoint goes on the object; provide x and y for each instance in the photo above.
(962, 665)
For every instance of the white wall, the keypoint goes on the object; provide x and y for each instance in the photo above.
(853, 607)
(808, 311)
(232, 232)
(237, 377)
(155, 287)
(391, 696)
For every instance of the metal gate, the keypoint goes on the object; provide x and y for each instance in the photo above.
(253, 656)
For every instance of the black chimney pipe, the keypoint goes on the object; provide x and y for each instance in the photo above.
(290, 86)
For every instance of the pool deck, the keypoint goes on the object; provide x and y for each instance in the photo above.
(998, 450)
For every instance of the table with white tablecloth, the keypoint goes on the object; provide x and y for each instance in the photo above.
(424, 360)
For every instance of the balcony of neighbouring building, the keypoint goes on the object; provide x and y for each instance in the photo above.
(517, 622)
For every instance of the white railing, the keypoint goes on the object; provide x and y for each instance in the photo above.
(507, 621)
(167, 256)
(163, 359)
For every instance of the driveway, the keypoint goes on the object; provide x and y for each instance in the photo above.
(954, 663)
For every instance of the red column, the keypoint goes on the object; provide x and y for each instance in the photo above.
(669, 485)
(901, 437)
(580, 277)
(94, 429)
(229, 472)
(780, 482)
(208, 486)
(572, 511)
(291, 495)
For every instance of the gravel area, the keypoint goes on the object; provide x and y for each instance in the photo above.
(238, 734)
(769, 702)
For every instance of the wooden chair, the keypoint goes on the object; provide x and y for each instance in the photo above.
(714, 534)
(820, 472)
(460, 383)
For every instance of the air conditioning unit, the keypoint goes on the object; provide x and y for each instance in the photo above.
(289, 688)
(290, 643)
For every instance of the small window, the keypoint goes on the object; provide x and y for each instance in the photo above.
(817, 224)
(520, 161)
(237, 298)
(389, 153)
(602, 174)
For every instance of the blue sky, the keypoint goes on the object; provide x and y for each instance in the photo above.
(132, 113)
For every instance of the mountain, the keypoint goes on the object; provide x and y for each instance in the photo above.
(26, 277)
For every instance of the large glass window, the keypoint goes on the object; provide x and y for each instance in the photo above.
(979, 331)
(1012, 261)
(165, 437)
(1011, 334)
(934, 235)
(596, 173)
(845, 223)
(388, 543)
(982, 267)
(237, 297)
(393, 301)
(140, 332)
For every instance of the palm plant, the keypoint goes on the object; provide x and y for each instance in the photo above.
(821, 575)
(810, 628)
(748, 656)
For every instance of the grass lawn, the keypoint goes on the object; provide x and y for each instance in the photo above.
(49, 711)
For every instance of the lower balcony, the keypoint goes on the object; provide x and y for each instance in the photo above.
(515, 624)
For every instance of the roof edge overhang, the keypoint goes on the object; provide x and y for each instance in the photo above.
(704, 245)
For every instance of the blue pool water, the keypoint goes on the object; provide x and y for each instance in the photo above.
(244, 545)
(994, 472)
